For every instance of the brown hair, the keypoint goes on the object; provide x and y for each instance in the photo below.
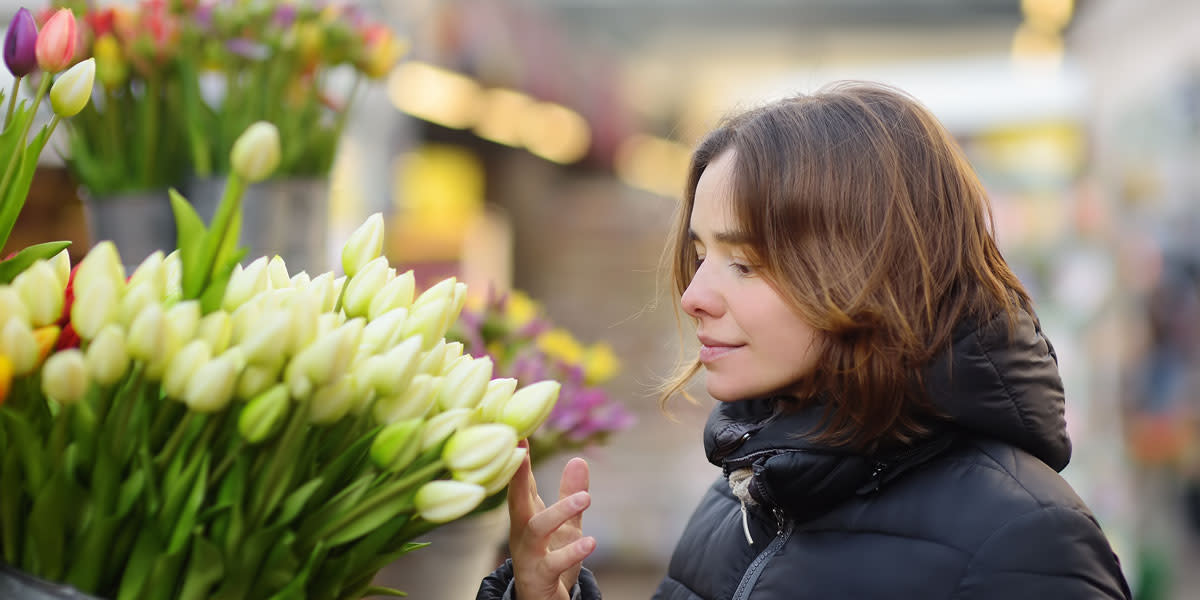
(867, 218)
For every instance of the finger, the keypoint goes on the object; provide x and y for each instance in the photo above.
(575, 479)
(523, 500)
(548, 521)
(568, 557)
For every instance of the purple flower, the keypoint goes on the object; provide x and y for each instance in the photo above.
(20, 44)
(248, 49)
(285, 15)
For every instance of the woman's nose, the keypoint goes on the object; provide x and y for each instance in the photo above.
(700, 299)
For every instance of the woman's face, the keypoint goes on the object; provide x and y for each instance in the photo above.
(753, 343)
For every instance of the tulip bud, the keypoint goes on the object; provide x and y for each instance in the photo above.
(55, 46)
(152, 272)
(443, 500)
(505, 474)
(415, 401)
(173, 265)
(11, 305)
(6, 377)
(72, 90)
(103, 262)
(453, 356)
(262, 415)
(135, 300)
(321, 289)
(313, 366)
(432, 360)
(38, 288)
(363, 286)
(478, 445)
(303, 314)
(96, 307)
(443, 425)
(183, 365)
(497, 394)
(146, 338)
(257, 379)
(20, 44)
(62, 268)
(256, 153)
(427, 321)
(465, 384)
(64, 376)
(46, 338)
(210, 387)
(301, 280)
(529, 407)
(245, 284)
(388, 374)
(106, 357)
(443, 289)
(266, 342)
(111, 68)
(363, 246)
(396, 445)
(18, 343)
(216, 328)
(397, 293)
(383, 332)
(277, 273)
(331, 402)
(457, 304)
(180, 323)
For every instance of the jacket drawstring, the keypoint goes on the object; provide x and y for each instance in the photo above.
(739, 484)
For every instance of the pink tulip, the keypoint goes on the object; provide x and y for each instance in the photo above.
(56, 42)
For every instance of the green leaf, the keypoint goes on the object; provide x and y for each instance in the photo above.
(137, 570)
(205, 569)
(12, 505)
(378, 590)
(95, 544)
(190, 234)
(10, 268)
(194, 502)
(296, 501)
(33, 456)
(18, 190)
(46, 536)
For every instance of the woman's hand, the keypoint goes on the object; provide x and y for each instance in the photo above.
(547, 543)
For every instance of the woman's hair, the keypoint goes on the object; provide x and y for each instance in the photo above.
(863, 213)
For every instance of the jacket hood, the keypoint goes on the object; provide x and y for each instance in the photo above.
(987, 384)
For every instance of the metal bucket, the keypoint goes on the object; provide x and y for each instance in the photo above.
(138, 223)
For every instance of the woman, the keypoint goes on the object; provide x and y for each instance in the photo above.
(890, 422)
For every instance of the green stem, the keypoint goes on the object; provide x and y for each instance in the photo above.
(150, 131)
(226, 463)
(168, 451)
(12, 102)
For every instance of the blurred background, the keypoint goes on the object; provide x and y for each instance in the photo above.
(540, 146)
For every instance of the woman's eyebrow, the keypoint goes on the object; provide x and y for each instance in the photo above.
(731, 238)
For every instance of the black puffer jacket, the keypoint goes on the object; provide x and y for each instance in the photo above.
(977, 511)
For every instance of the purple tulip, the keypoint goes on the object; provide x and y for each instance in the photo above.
(285, 15)
(20, 44)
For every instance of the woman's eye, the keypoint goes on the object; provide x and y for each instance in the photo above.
(742, 269)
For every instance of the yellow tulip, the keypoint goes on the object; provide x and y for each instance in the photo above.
(442, 501)
(64, 376)
(363, 246)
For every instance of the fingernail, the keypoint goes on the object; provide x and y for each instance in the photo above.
(579, 500)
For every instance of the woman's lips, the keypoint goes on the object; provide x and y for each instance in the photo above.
(711, 353)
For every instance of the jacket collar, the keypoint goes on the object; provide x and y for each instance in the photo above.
(987, 384)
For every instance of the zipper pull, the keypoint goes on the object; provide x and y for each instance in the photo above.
(779, 520)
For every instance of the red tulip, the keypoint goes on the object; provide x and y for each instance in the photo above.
(56, 42)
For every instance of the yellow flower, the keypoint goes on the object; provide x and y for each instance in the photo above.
(520, 309)
(599, 364)
(559, 343)
(6, 376)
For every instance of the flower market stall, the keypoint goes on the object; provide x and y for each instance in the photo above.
(197, 428)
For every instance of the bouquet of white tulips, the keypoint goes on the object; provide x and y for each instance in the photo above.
(220, 431)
